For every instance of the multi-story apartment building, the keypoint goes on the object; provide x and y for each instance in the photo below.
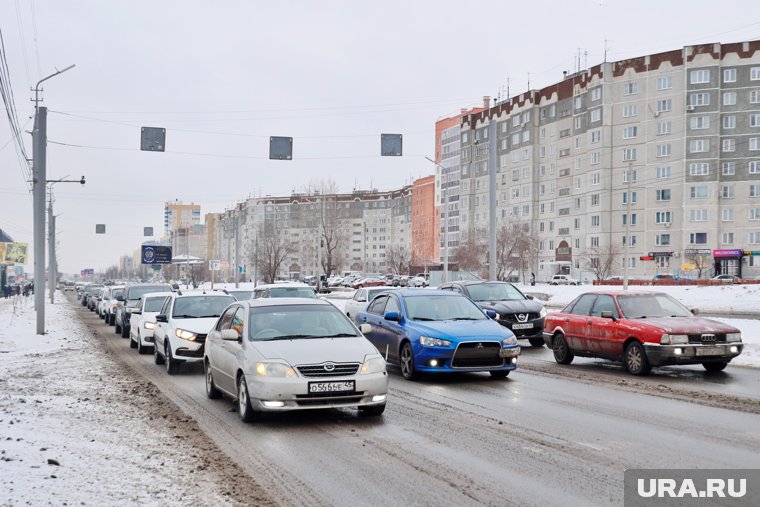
(425, 224)
(658, 155)
(177, 214)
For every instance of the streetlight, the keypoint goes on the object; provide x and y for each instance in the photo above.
(53, 268)
(445, 222)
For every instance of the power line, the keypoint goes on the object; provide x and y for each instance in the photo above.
(22, 40)
(36, 45)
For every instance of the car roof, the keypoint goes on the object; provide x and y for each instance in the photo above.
(197, 294)
(158, 294)
(281, 285)
(624, 293)
(479, 282)
(426, 292)
(285, 302)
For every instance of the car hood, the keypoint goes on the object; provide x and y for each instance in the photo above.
(200, 326)
(685, 325)
(512, 306)
(457, 330)
(316, 350)
(150, 316)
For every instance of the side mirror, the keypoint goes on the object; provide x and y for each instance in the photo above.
(607, 314)
(491, 314)
(120, 298)
(136, 311)
(394, 316)
(230, 335)
(361, 300)
(213, 335)
(365, 328)
(161, 318)
(528, 297)
(695, 311)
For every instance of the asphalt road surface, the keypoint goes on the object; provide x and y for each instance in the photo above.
(547, 435)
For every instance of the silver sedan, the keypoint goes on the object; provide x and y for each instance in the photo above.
(283, 354)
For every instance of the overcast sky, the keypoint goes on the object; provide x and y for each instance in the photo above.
(223, 76)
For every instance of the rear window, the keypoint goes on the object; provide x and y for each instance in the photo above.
(135, 293)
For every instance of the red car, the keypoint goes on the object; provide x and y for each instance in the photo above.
(368, 282)
(642, 329)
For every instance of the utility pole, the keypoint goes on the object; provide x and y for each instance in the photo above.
(319, 244)
(445, 204)
(237, 252)
(51, 248)
(492, 168)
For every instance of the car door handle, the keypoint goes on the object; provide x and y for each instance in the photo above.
(588, 322)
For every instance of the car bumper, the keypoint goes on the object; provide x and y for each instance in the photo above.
(440, 359)
(186, 351)
(535, 331)
(659, 355)
(293, 393)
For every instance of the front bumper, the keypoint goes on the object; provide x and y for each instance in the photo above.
(443, 360)
(293, 393)
(535, 331)
(187, 351)
(659, 355)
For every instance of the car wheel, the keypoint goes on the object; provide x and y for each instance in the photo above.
(561, 351)
(157, 357)
(715, 366)
(636, 361)
(124, 332)
(499, 373)
(407, 362)
(141, 349)
(171, 364)
(211, 391)
(117, 330)
(132, 343)
(536, 342)
(245, 411)
(372, 410)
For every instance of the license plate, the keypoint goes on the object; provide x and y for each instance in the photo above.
(529, 325)
(331, 387)
(710, 351)
(513, 352)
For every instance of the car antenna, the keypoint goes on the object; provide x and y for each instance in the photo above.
(179, 292)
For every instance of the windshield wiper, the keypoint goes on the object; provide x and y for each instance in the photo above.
(339, 335)
(422, 318)
(290, 337)
(464, 318)
(184, 316)
(206, 316)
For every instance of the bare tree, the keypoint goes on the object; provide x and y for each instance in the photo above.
(602, 260)
(471, 251)
(334, 232)
(506, 246)
(273, 249)
(399, 259)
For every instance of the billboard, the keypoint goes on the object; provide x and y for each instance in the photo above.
(153, 254)
(13, 253)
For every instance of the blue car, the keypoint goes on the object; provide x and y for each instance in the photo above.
(438, 332)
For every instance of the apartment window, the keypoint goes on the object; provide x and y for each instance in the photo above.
(754, 238)
(754, 143)
(729, 145)
(577, 203)
(700, 122)
(577, 243)
(577, 142)
(578, 103)
(629, 173)
(754, 167)
(515, 139)
(664, 83)
(663, 217)
(754, 120)
(553, 110)
(698, 192)
(564, 192)
(630, 132)
(485, 133)
(664, 105)
(729, 98)
(699, 76)
(516, 121)
(595, 199)
(515, 156)
(754, 73)
(663, 150)
(664, 127)
(578, 122)
(629, 154)
(526, 117)
(577, 223)
(515, 193)
(729, 75)
(629, 110)
(596, 93)
(596, 136)
(754, 214)
(662, 172)
(754, 97)
(698, 215)
(728, 214)
(698, 238)
(663, 194)
(526, 135)
(630, 88)
(698, 145)
(578, 183)
(699, 169)
(662, 239)
(754, 190)
(633, 218)
(526, 153)
(595, 221)
(526, 172)
(633, 197)
(596, 178)
(728, 168)
(699, 99)
(596, 157)
(564, 152)
(729, 122)
(727, 238)
(595, 115)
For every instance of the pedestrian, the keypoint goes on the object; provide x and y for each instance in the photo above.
(7, 291)
(26, 290)
(533, 279)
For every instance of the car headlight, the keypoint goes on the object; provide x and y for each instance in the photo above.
(674, 339)
(149, 325)
(434, 342)
(733, 337)
(277, 370)
(509, 341)
(374, 364)
(185, 335)
(542, 313)
(114, 305)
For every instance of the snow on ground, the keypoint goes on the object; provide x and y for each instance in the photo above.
(750, 329)
(78, 428)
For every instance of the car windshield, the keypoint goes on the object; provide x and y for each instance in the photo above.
(292, 292)
(117, 292)
(296, 322)
(194, 307)
(438, 307)
(240, 295)
(135, 293)
(154, 304)
(494, 292)
(92, 288)
(642, 306)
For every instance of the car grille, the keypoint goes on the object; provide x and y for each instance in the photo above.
(201, 338)
(519, 317)
(707, 338)
(477, 354)
(316, 399)
(328, 369)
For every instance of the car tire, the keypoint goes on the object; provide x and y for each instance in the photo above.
(715, 366)
(406, 362)
(635, 359)
(132, 343)
(372, 410)
(536, 342)
(171, 364)
(211, 391)
(499, 373)
(124, 332)
(157, 357)
(141, 349)
(562, 353)
(245, 410)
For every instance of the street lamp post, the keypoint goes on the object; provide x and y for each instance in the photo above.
(52, 259)
(445, 204)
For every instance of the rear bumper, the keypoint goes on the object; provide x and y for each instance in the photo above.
(659, 355)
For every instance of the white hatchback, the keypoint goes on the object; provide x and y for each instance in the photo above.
(142, 320)
(362, 298)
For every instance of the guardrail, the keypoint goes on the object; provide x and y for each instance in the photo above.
(682, 281)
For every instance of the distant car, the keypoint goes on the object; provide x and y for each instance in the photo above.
(273, 355)
(361, 299)
(562, 280)
(284, 290)
(438, 332)
(369, 282)
(641, 329)
(88, 293)
(727, 278)
(129, 300)
(417, 281)
(239, 294)
(182, 325)
(663, 276)
(514, 310)
(110, 303)
(142, 320)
